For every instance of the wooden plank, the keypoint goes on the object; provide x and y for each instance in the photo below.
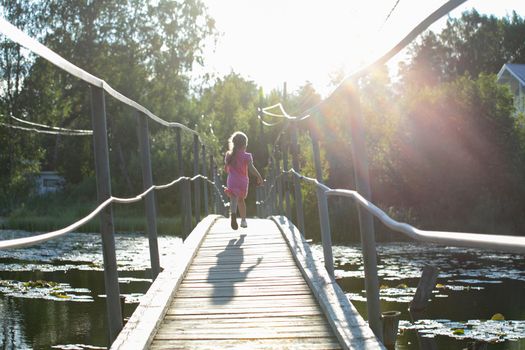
(349, 327)
(142, 325)
(290, 344)
(277, 313)
(243, 291)
(248, 321)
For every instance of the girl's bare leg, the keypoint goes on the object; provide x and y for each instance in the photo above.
(242, 208)
(233, 212)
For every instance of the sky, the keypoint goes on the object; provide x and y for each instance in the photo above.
(295, 41)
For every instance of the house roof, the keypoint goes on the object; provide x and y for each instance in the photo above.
(516, 70)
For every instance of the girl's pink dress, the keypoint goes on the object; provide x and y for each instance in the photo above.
(237, 182)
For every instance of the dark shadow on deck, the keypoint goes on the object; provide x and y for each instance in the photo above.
(227, 271)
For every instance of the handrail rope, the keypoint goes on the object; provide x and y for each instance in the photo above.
(266, 123)
(34, 46)
(283, 114)
(507, 243)
(389, 14)
(79, 131)
(422, 26)
(28, 241)
(274, 115)
(42, 131)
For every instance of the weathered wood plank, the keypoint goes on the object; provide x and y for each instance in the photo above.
(142, 325)
(262, 313)
(269, 344)
(243, 289)
(349, 327)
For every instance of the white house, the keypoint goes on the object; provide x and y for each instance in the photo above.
(49, 181)
(514, 75)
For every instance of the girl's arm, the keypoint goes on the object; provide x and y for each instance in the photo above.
(255, 172)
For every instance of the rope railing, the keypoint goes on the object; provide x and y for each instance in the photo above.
(56, 128)
(267, 201)
(33, 240)
(101, 154)
(34, 46)
(505, 243)
(42, 131)
(413, 34)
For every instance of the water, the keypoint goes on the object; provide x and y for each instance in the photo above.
(52, 295)
(63, 306)
(473, 286)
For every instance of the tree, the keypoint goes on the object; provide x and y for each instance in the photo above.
(471, 44)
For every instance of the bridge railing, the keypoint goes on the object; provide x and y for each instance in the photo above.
(99, 89)
(274, 197)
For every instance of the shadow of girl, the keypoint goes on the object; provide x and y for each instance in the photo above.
(227, 271)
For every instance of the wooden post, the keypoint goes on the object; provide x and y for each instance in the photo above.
(271, 182)
(147, 182)
(296, 181)
(366, 223)
(287, 183)
(214, 198)
(100, 144)
(196, 185)
(322, 206)
(185, 191)
(204, 182)
(279, 178)
(426, 284)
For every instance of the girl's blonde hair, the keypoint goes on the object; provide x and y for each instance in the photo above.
(235, 142)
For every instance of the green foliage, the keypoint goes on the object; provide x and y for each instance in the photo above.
(471, 44)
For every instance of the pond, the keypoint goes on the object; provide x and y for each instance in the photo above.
(52, 295)
(472, 286)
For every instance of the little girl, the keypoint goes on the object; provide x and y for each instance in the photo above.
(237, 163)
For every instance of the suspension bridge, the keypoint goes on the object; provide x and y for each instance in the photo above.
(256, 287)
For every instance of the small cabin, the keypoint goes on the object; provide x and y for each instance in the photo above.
(48, 182)
(514, 75)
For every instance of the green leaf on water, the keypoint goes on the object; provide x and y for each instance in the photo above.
(458, 331)
(498, 317)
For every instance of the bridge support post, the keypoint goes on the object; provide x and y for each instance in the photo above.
(366, 223)
(100, 144)
(297, 183)
(287, 183)
(322, 206)
(147, 182)
(279, 183)
(271, 187)
(196, 186)
(205, 182)
(214, 195)
(185, 189)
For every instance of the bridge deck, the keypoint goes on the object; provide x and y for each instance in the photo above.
(244, 289)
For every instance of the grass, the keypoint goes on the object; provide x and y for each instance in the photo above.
(165, 225)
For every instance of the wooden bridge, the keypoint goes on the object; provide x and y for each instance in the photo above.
(258, 287)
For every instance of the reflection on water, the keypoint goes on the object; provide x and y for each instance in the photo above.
(52, 295)
(472, 286)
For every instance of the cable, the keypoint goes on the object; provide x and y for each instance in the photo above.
(34, 46)
(28, 241)
(389, 14)
(80, 131)
(40, 131)
(423, 25)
